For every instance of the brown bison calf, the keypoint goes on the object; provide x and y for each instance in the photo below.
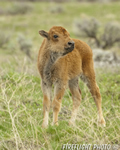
(61, 61)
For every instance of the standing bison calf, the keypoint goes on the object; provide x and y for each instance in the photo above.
(61, 61)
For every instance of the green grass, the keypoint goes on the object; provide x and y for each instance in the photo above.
(20, 91)
(40, 17)
(21, 114)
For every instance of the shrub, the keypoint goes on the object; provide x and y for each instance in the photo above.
(25, 45)
(19, 8)
(111, 34)
(4, 38)
(56, 9)
(2, 11)
(89, 28)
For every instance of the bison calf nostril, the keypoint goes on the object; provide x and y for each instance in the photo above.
(70, 43)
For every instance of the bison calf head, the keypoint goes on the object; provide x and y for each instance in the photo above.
(58, 39)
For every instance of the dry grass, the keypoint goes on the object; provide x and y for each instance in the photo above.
(21, 114)
(20, 92)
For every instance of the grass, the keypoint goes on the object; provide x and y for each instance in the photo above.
(21, 114)
(20, 92)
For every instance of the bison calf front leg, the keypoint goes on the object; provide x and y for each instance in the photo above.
(58, 94)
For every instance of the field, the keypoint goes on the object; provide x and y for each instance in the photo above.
(20, 92)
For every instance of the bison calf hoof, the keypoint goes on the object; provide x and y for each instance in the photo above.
(44, 125)
(71, 123)
(55, 123)
(102, 122)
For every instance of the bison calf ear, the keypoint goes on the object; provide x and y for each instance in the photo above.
(44, 34)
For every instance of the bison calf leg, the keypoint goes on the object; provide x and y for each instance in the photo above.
(76, 97)
(89, 78)
(94, 89)
(46, 103)
(56, 104)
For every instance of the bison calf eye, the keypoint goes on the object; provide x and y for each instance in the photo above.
(55, 36)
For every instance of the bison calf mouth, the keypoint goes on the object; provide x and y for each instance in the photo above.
(69, 49)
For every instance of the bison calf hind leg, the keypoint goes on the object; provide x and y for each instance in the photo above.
(76, 97)
(46, 103)
(89, 78)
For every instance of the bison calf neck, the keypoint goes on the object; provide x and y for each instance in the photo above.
(61, 61)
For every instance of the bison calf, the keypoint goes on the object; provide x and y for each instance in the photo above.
(61, 61)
